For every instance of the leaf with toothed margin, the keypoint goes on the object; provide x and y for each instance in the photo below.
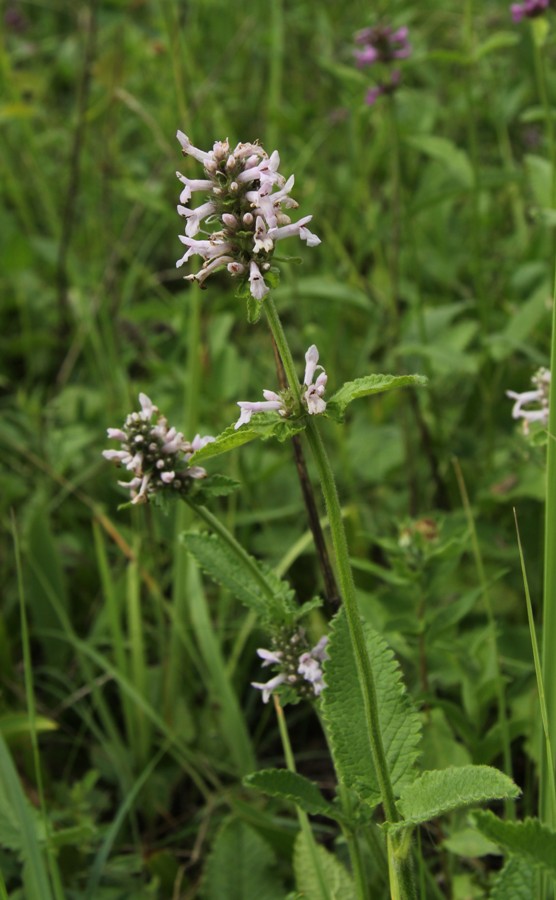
(441, 791)
(529, 840)
(344, 712)
(263, 425)
(294, 787)
(364, 387)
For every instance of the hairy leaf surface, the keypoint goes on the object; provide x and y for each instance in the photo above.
(364, 387)
(442, 790)
(241, 865)
(530, 839)
(333, 882)
(252, 583)
(294, 787)
(516, 881)
(343, 708)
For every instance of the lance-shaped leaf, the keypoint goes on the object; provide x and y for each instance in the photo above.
(365, 386)
(343, 708)
(252, 583)
(264, 425)
(442, 790)
(291, 786)
(530, 839)
(318, 874)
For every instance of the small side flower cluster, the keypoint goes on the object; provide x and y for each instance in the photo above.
(299, 667)
(540, 396)
(312, 397)
(382, 44)
(247, 197)
(157, 456)
(528, 9)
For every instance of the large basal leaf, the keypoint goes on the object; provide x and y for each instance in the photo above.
(530, 839)
(365, 386)
(249, 581)
(516, 881)
(442, 790)
(291, 786)
(343, 709)
(240, 866)
(318, 874)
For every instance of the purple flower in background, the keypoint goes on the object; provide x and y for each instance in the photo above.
(384, 88)
(382, 44)
(528, 9)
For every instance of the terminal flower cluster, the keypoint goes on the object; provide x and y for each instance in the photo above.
(528, 9)
(539, 396)
(382, 44)
(312, 396)
(156, 456)
(244, 213)
(298, 666)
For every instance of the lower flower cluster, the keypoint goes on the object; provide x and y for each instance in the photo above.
(156, 455)
(299, 666)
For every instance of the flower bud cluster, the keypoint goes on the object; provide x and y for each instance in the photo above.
(382, 44)
(157, 456)
(298, 665)
(540, 396)
(529, 9)
(243, 216)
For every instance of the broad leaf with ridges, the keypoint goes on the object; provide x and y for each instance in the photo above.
(343, 709)
(442, 790)
(262, 425)
(530, 839)
(241, 865)
(252, 583)
(318, 874)
(516, 881)
(294, 787)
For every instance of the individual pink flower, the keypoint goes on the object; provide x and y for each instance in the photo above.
(540, 396)
(529, 9)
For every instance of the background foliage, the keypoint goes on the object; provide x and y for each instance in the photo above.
(436, 245)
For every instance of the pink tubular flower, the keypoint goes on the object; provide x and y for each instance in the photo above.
(243, 213)
(312, 397)
(529, 9)
(155, 454)
(382, 44)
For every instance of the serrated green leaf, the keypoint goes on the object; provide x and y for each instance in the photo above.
(293, 787)
(226, 441)
(262, 426)
(367, 385)
(516, 881)
(250, 582)
(343, 709)
(241, 865)
(323, 878)
(442, 790)
(530, 839)
(215, 486)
